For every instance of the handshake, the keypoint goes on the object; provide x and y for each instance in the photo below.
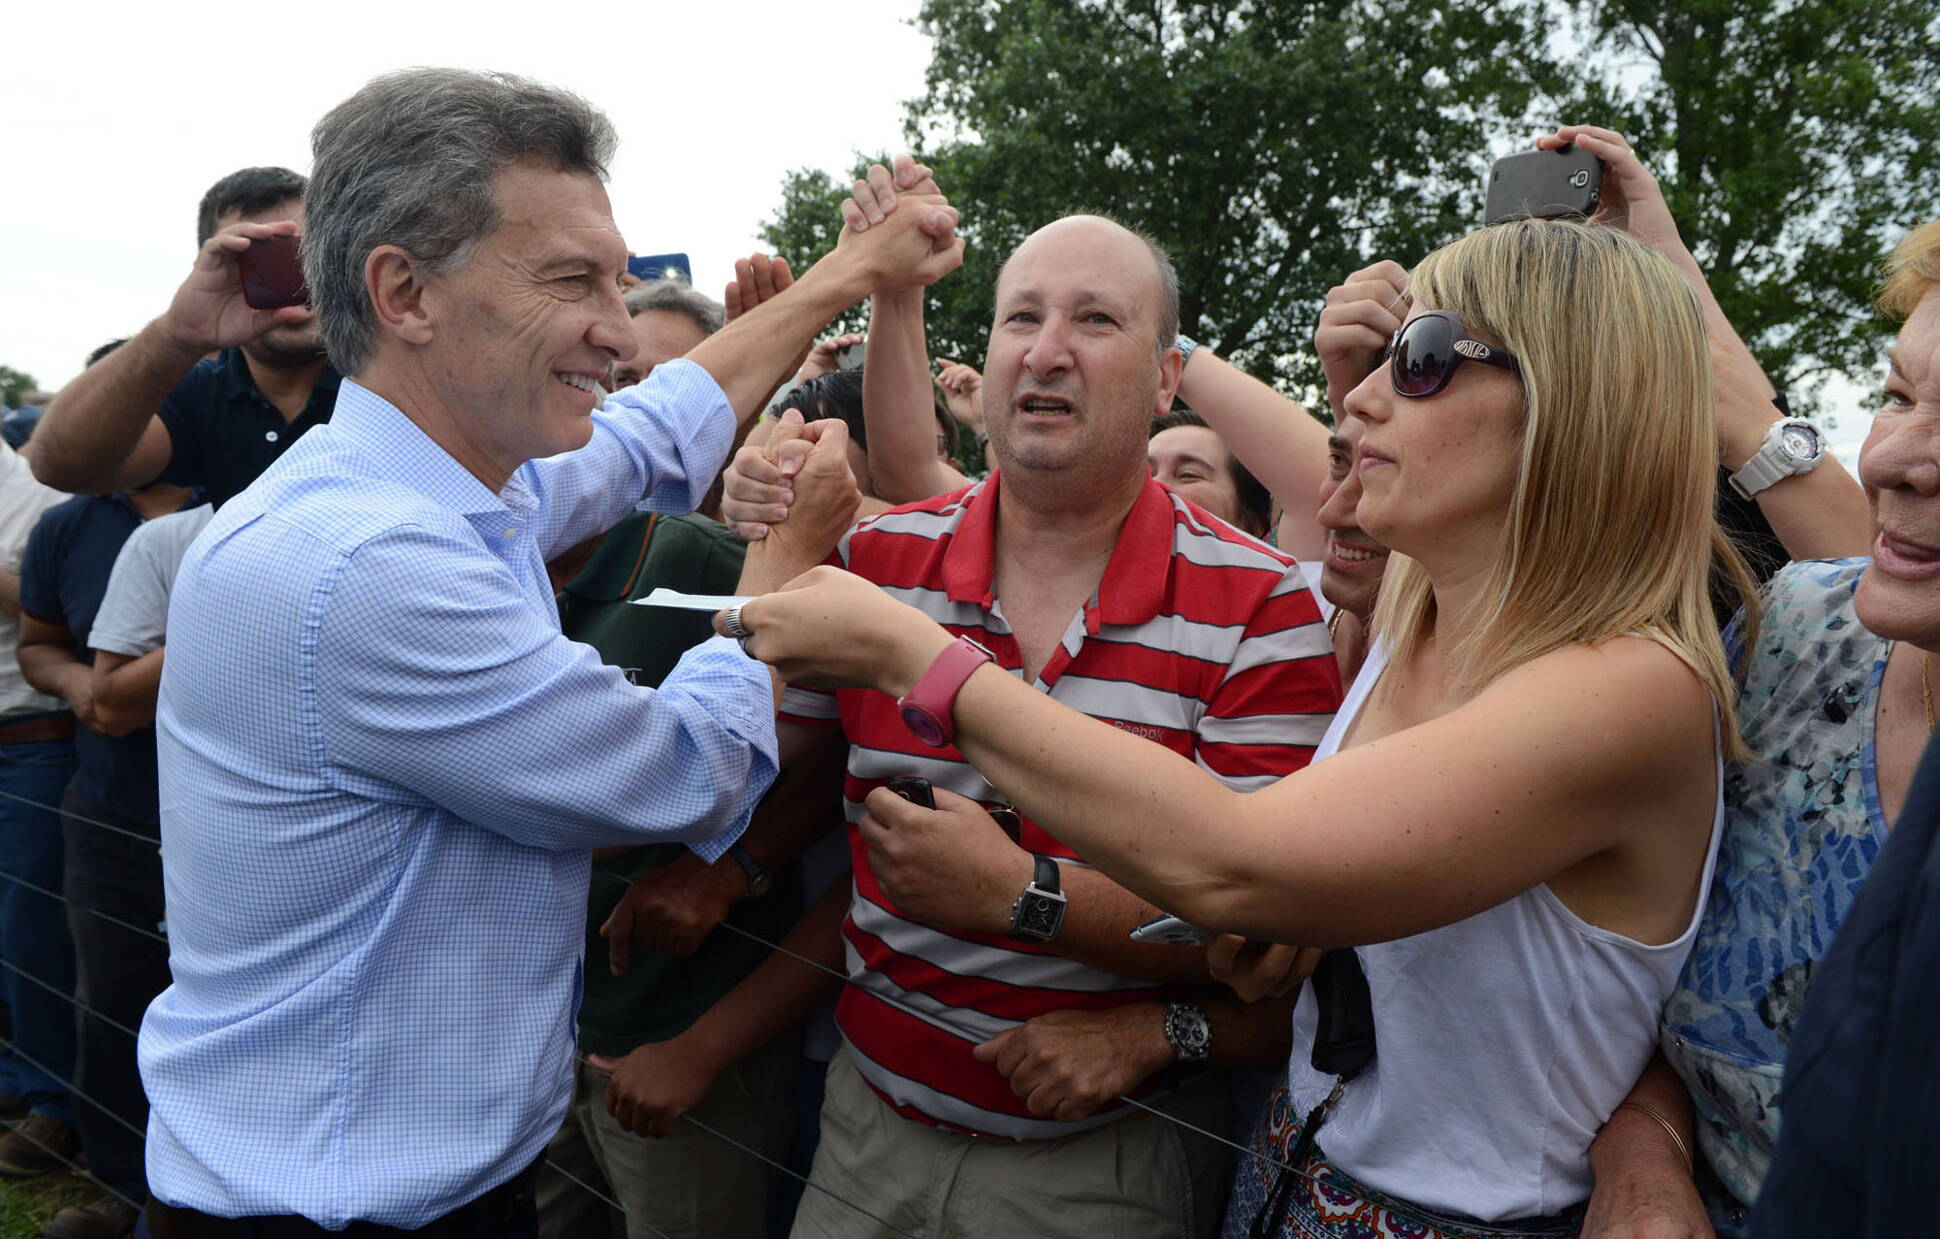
(899, 230)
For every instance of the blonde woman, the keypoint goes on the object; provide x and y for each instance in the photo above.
(1522, 804)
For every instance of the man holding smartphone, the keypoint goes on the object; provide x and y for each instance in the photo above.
(212, 391)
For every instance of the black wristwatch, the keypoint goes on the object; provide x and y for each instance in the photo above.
(1188, 1032)
(1038, 913)
(759, 879)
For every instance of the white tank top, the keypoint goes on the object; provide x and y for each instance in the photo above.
(1503, 1042)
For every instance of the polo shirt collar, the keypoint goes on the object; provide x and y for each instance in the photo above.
(1133, 586)
(238, 382)
(404, 453)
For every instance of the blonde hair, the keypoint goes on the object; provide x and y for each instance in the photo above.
(1611, 527)
(1912, 271)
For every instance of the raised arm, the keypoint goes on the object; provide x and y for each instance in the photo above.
(1817, 515)
(102, 433)
(751, 355)
(1279, 442)
(897, 405)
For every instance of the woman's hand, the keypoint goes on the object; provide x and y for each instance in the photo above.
(1631, 200)
(831, 629)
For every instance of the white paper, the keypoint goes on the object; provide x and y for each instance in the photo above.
(692, 602)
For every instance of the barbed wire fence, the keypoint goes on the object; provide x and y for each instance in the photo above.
(8, 1044)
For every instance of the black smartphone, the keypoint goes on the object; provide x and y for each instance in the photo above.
(272, 274)
(1558, 184)
(914, 789)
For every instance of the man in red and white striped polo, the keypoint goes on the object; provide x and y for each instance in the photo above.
(959, 1104)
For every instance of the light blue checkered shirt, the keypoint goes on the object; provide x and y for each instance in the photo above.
(381, 769)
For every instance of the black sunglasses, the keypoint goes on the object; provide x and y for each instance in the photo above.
(1430, 347)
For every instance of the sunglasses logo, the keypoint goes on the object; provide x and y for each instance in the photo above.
(1472, 348)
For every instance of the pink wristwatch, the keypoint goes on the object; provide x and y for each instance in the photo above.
(928, 709)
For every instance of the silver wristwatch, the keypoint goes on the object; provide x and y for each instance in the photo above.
(1792, 446)
(1188, 1032)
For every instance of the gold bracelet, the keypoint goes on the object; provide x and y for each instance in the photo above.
(1669, 1129)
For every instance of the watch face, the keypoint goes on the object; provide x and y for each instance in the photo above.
(1801, 441)
(1040, 916)
(923, 725)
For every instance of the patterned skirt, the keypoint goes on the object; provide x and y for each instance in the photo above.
(1324, 1202)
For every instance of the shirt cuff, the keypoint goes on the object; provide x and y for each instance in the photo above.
(702, 443)
(748, 715)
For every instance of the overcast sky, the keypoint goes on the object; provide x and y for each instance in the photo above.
(112, 135)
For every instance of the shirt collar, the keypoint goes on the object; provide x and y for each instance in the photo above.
(404, 453)
(1134, 583)
(237, 381)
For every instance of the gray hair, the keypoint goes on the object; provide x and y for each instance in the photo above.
(409, 161)
(678, 297)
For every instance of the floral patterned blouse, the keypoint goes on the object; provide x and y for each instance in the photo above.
(1802, 828)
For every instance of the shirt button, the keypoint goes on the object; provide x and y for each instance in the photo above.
(512, 532)
(270, 435)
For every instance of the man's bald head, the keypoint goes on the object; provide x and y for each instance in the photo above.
(1100, 238)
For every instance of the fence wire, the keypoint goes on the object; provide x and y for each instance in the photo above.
(837, 974)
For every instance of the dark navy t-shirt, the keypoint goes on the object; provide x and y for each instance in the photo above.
(63, 578)
(225, 433)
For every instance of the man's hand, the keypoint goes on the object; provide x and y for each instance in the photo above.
(952, 866)
(822, 360)
(671, 910)
(1361, 315)
(874, 198)
(963, 391)
(208, 311)
(655, 1084)
(899, 229)
(78, 691)
(1272, 972)
(818, 488)
(1068, 1063)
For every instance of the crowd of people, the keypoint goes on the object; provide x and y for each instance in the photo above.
(1481, 812)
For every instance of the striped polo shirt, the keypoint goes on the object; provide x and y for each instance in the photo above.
(1198, 638)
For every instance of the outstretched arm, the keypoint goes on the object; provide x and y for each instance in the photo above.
(1385, 839)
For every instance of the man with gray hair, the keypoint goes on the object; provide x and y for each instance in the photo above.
(382, 764)
(669, 319)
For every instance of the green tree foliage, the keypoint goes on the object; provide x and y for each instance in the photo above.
(14, 384)
(1797, 143)
(1270, 144)
(1275, 145)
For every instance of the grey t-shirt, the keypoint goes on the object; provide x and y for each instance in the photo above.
(134, 612)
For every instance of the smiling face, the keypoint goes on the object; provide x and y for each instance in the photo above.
(523, 332)
(1074, 373)
(1192, 461)
(1899, 596)
(1351, 568)
(1437, 474)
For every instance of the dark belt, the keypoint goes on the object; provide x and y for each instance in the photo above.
(30, 730)
(506, 1210)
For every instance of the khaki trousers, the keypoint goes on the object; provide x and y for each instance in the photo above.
(689, 1185)
(1141, 1177)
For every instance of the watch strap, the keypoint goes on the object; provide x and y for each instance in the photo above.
(1771, 463)
(1046, 878)
(759, 879)
(935, 694)
(1044, 892)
